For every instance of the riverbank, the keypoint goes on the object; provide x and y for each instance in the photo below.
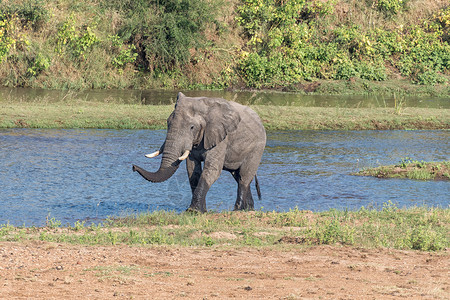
(327, 46)
(415, 228)
(296, 254)
(85, 114)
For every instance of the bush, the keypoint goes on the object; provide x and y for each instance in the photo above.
(10, 36)
(76, 41)
(391, 7)
(430, 77)
(31, 12)
(164, 39)
(203, 43)
(124, 54)
(425, 239)
(6, 41)
(38, 64)
(297, 31)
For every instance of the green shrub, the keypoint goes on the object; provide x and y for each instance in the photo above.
(76, 41)
(374, 71)
(6, 41)
(345, 71)
(38, 64)
(166, 35)
(353, 40)
(279, 42)
(391, 7)
(255, 69)
(430, 77)
(331, 231)
(31, 12)
(11, 38)
(124, 54)
(298, 32)
(426, 239)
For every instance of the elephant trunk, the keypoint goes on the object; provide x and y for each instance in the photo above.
(169, 163)
(161, 175)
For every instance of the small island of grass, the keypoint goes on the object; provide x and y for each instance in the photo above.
(407, 168)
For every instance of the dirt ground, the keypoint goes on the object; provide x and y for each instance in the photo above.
(38, 270)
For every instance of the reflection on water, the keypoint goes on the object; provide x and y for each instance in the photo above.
(86, 174)
(248, 98)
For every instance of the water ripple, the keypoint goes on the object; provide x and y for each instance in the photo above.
(86, 174)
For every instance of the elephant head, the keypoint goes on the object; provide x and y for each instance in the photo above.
(196, 123)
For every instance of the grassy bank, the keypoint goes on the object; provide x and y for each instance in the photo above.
(408, 168)
(216, 44)
(417, 228)
(82, 114)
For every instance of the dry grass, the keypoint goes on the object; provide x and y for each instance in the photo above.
(358, 12)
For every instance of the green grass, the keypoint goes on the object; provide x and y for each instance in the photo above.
(418, 228)
(411, 169)
(83, 114)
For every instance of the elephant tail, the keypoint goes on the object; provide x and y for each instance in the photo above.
(257, 187)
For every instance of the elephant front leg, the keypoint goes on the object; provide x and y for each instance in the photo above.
(198, 202)
(194, 170)
(210, 174)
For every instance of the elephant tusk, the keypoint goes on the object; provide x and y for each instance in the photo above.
(184, 156)
(154, 154)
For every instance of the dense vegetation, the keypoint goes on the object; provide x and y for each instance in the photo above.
(222, 43)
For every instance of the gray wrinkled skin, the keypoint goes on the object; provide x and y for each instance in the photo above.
(224, 135)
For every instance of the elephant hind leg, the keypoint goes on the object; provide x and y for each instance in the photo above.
(244, 199)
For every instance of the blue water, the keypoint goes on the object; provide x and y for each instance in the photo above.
(74, 175)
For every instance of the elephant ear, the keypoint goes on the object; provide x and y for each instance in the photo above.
(221, 119)
(180, 96)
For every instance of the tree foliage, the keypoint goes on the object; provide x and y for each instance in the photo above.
(250, 43)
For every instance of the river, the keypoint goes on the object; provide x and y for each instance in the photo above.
(154, 97)
(75, 175)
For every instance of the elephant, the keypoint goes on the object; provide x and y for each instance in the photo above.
(211, 134)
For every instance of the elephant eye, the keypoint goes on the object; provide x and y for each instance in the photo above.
(192, 127)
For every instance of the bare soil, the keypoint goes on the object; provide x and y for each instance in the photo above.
(38, 270)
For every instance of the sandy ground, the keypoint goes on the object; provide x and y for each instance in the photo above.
(58, 271)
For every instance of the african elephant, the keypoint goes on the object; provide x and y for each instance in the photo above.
(224, 135)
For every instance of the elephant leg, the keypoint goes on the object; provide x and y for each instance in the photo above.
(244, 199)
(244, 177)
(194, 170)
(209, 175)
